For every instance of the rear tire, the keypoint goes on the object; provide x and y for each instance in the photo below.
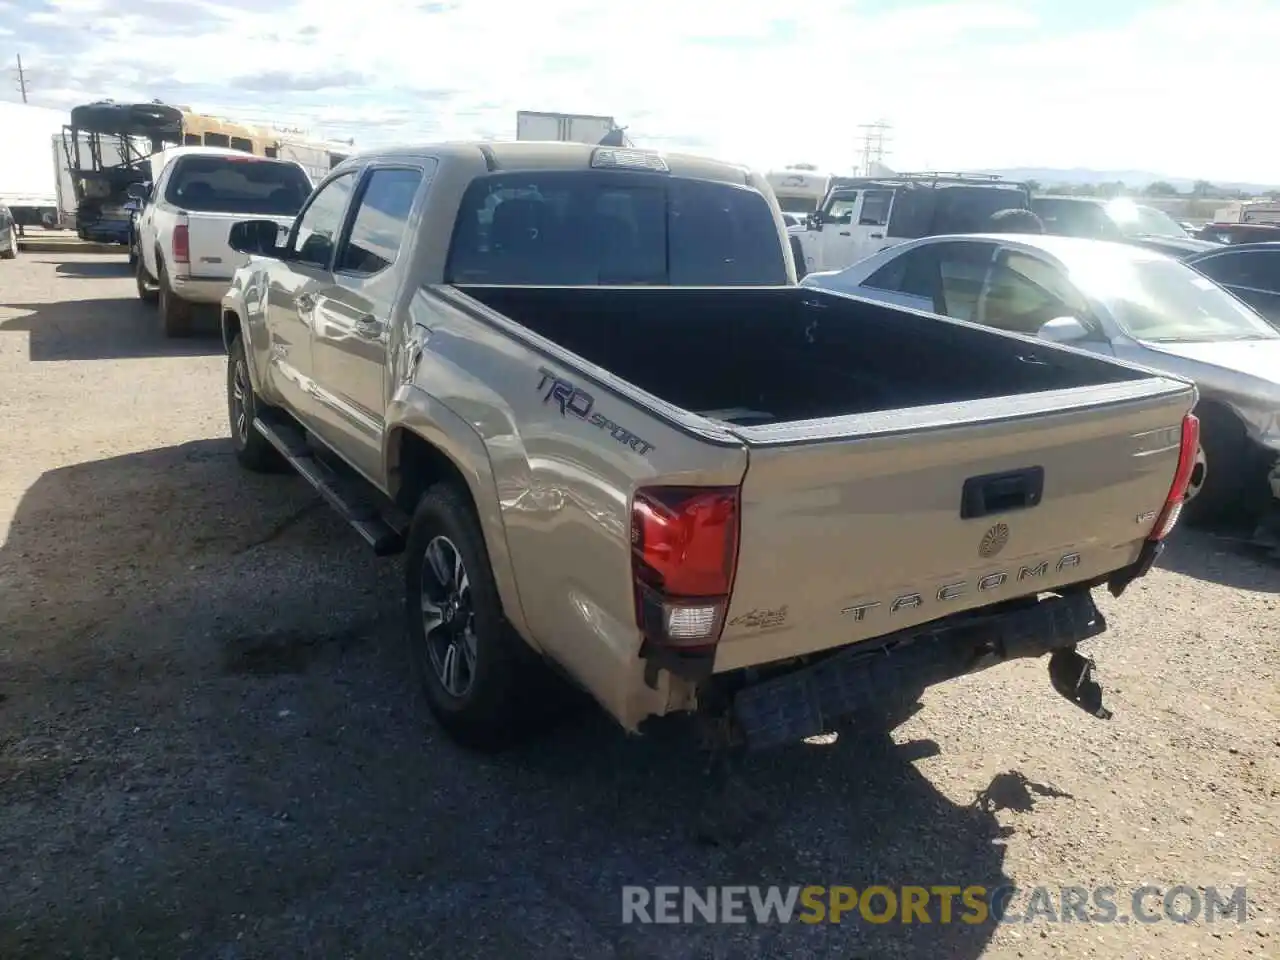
(12, 252)
(1226, 483)
(486, 688)
(253, 450)
(147, 292)
(175, 313)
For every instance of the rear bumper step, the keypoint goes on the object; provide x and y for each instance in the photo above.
(803, 703)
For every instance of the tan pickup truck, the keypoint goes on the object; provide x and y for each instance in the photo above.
(579, 388)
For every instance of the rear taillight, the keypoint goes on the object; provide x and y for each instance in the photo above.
(684, 549)
(181, 244)
(1181, 479)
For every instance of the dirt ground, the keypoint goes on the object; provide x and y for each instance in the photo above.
(209, 747)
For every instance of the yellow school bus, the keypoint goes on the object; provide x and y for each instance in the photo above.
(199, 129)
(317, 157)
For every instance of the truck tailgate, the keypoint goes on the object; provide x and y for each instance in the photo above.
(855, 527)
(209, 234)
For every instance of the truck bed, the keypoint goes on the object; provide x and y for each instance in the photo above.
(900, 467)
(771, 355)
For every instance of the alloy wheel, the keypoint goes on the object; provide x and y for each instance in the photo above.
(448, 620)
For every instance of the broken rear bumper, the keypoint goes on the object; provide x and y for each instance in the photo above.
(804, 702)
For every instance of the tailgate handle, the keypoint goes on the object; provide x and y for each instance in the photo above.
(1002, 492)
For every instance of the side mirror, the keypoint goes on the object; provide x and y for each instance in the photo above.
(138, 191)
(1063, 330)
(255, 237)
(815, 220)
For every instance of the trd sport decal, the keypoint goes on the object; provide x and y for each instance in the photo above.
(572, 401)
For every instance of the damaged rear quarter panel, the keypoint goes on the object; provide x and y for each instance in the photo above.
(567, 452)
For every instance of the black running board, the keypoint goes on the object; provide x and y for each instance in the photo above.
(342, 493)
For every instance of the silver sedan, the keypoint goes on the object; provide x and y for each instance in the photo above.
(1116, 299)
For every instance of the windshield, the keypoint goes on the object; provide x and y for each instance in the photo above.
(1162, 300)
(1075, 218)
(1137, 220)
(573, 228)
(797, 204)
(250, 185)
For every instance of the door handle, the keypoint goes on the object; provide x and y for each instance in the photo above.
(368, 327)
(845, 233)
(1001, 492)
(877, 236)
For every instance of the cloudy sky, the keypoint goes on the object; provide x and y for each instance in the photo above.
(1179, 87)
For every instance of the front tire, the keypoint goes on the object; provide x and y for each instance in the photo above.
(12, 252)
(175, 313)
(483, 685)
(253, 450)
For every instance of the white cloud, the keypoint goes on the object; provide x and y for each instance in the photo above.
(1175, 87)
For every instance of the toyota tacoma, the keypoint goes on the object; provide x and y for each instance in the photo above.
(621, 448)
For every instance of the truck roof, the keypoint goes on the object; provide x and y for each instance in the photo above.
(503, 155)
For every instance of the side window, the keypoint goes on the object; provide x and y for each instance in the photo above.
(915, 273)
(1244, 268)
(840, 208)
(378, 229)
(317, 229)
(962, 269)
(1023, 293)
(1224, 268)
(875, 208)
(1263, 270)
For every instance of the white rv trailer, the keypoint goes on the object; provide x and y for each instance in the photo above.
(798, 191)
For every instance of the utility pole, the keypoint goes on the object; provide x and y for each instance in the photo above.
(874, 138)
(22, 80)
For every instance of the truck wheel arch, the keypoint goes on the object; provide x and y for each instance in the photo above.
(230, 327)
(419, 456)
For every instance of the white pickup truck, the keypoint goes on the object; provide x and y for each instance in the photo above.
(196, 194)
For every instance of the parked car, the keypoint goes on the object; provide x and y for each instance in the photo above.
(1239, 232)
(1120, 219)
(8, 234)
(180, 236)
(1114, 299)
(637, 455)
(1249, 270)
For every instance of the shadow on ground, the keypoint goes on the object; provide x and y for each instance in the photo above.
(212, 750)
(106, 328)
(1225, 556)
(98, 269)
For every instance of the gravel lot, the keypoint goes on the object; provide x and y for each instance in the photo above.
(209, 748)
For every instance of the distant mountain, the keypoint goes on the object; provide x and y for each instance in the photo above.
(1048, 176)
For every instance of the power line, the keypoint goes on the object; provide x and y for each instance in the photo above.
(22, 79)
(874, 137)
